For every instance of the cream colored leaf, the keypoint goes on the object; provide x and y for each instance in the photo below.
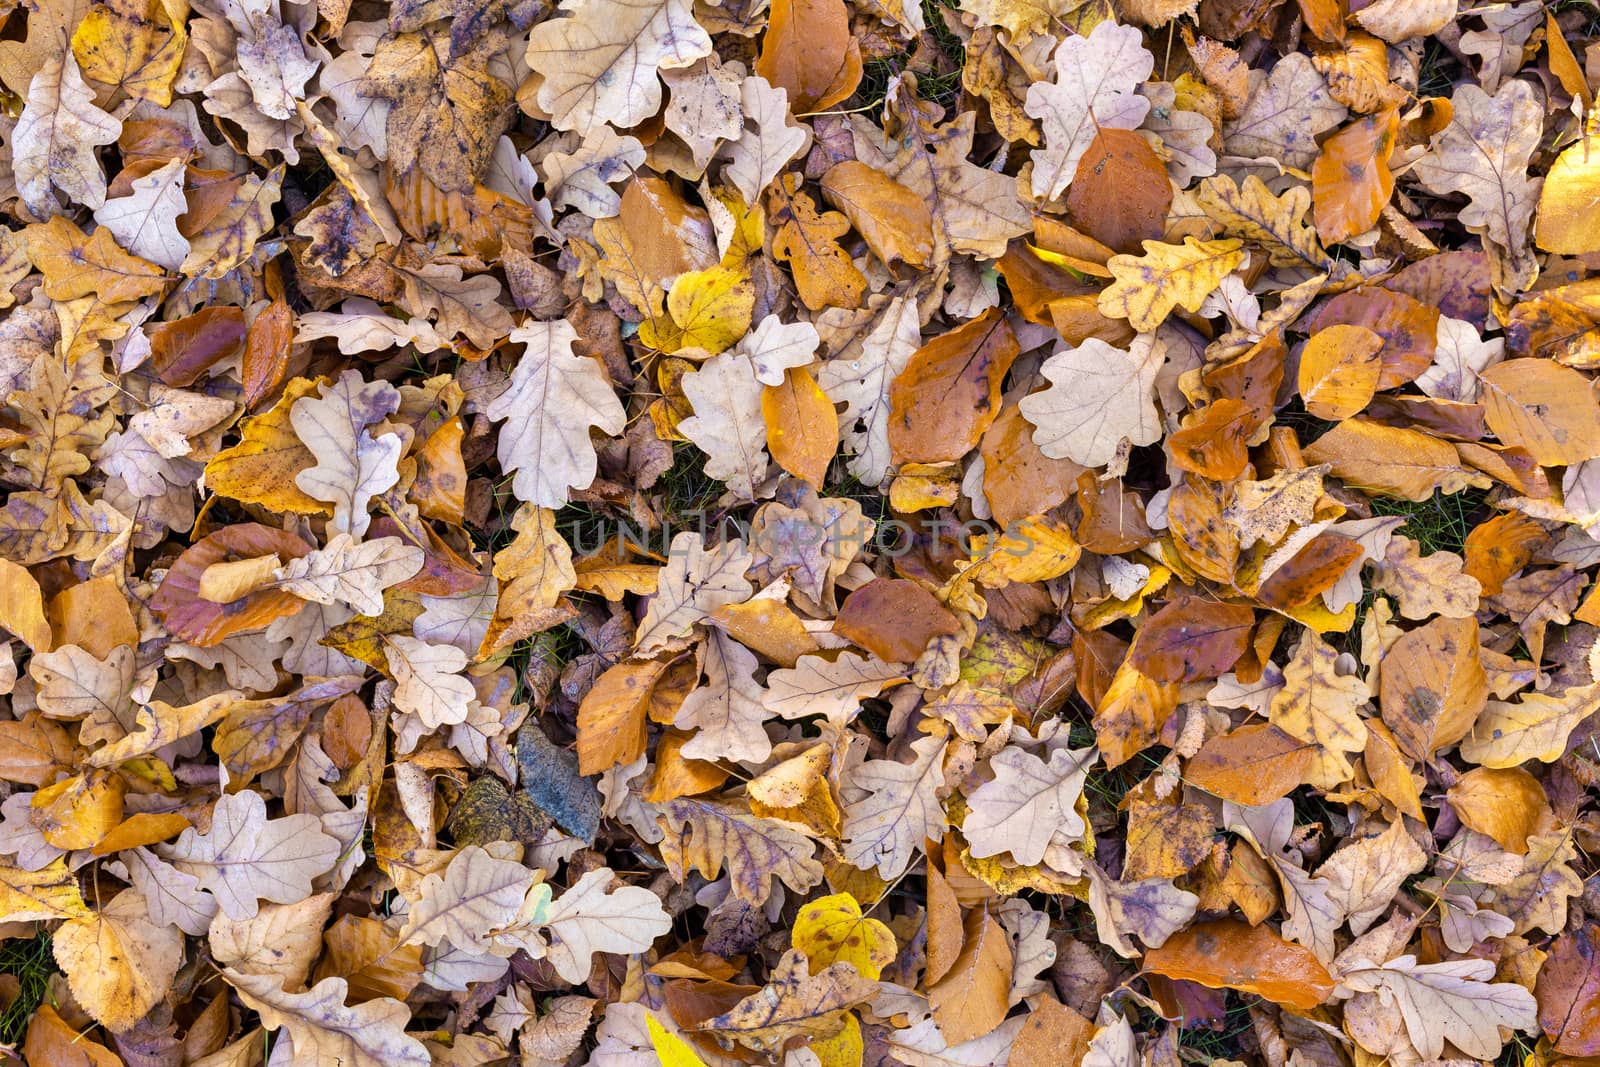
(352, 466)
(272, 60)
(600, 60)
(1093, 89)
(1152, 908)
(362, 326)
(325, 1031)
(469, 306)
(1098, 397)
(766, 140)
(119, 963)
(351, 573)
(73, 684)
(1318, 705)
(244, 858)
(582, 178)
(832, 688)
(726, 713)
(704, 108)
(554, 397)
(900, 811)
(1027, 804)
(55, 139)
(1484, 154)
(1534, 728)
(476, 894)
(727, 424)
(280, 940)
(1313, 916)
(173, 897)
(589, 918)
(775, 346)
(694, 583)
(1460, 355)
(428, 681)
(1453, 1001)
(862, 384)
(1286, 112)
(1401, 20)
(145, 222)
(1366, 874)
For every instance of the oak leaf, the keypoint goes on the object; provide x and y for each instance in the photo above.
(707, 836)
(1484, 154)
(324, 1030)
(1094, 88)
(794, 1003)
(554, 397)
(1148, 287)
(1099, 397)
(353, 465)
(1029, 803)
(245, 858)
(600, 61)
(588, 918)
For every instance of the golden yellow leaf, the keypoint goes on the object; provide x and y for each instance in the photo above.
(710, 310)
(1148, 287)
(1339, 370)
(802, 426)
(261, 468)
(1567, 222)
(832, 929)
(22, 607)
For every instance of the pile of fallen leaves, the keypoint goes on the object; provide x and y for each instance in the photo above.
(802, 532)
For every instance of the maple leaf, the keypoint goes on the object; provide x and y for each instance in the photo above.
(554, 397)
(446, 111)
